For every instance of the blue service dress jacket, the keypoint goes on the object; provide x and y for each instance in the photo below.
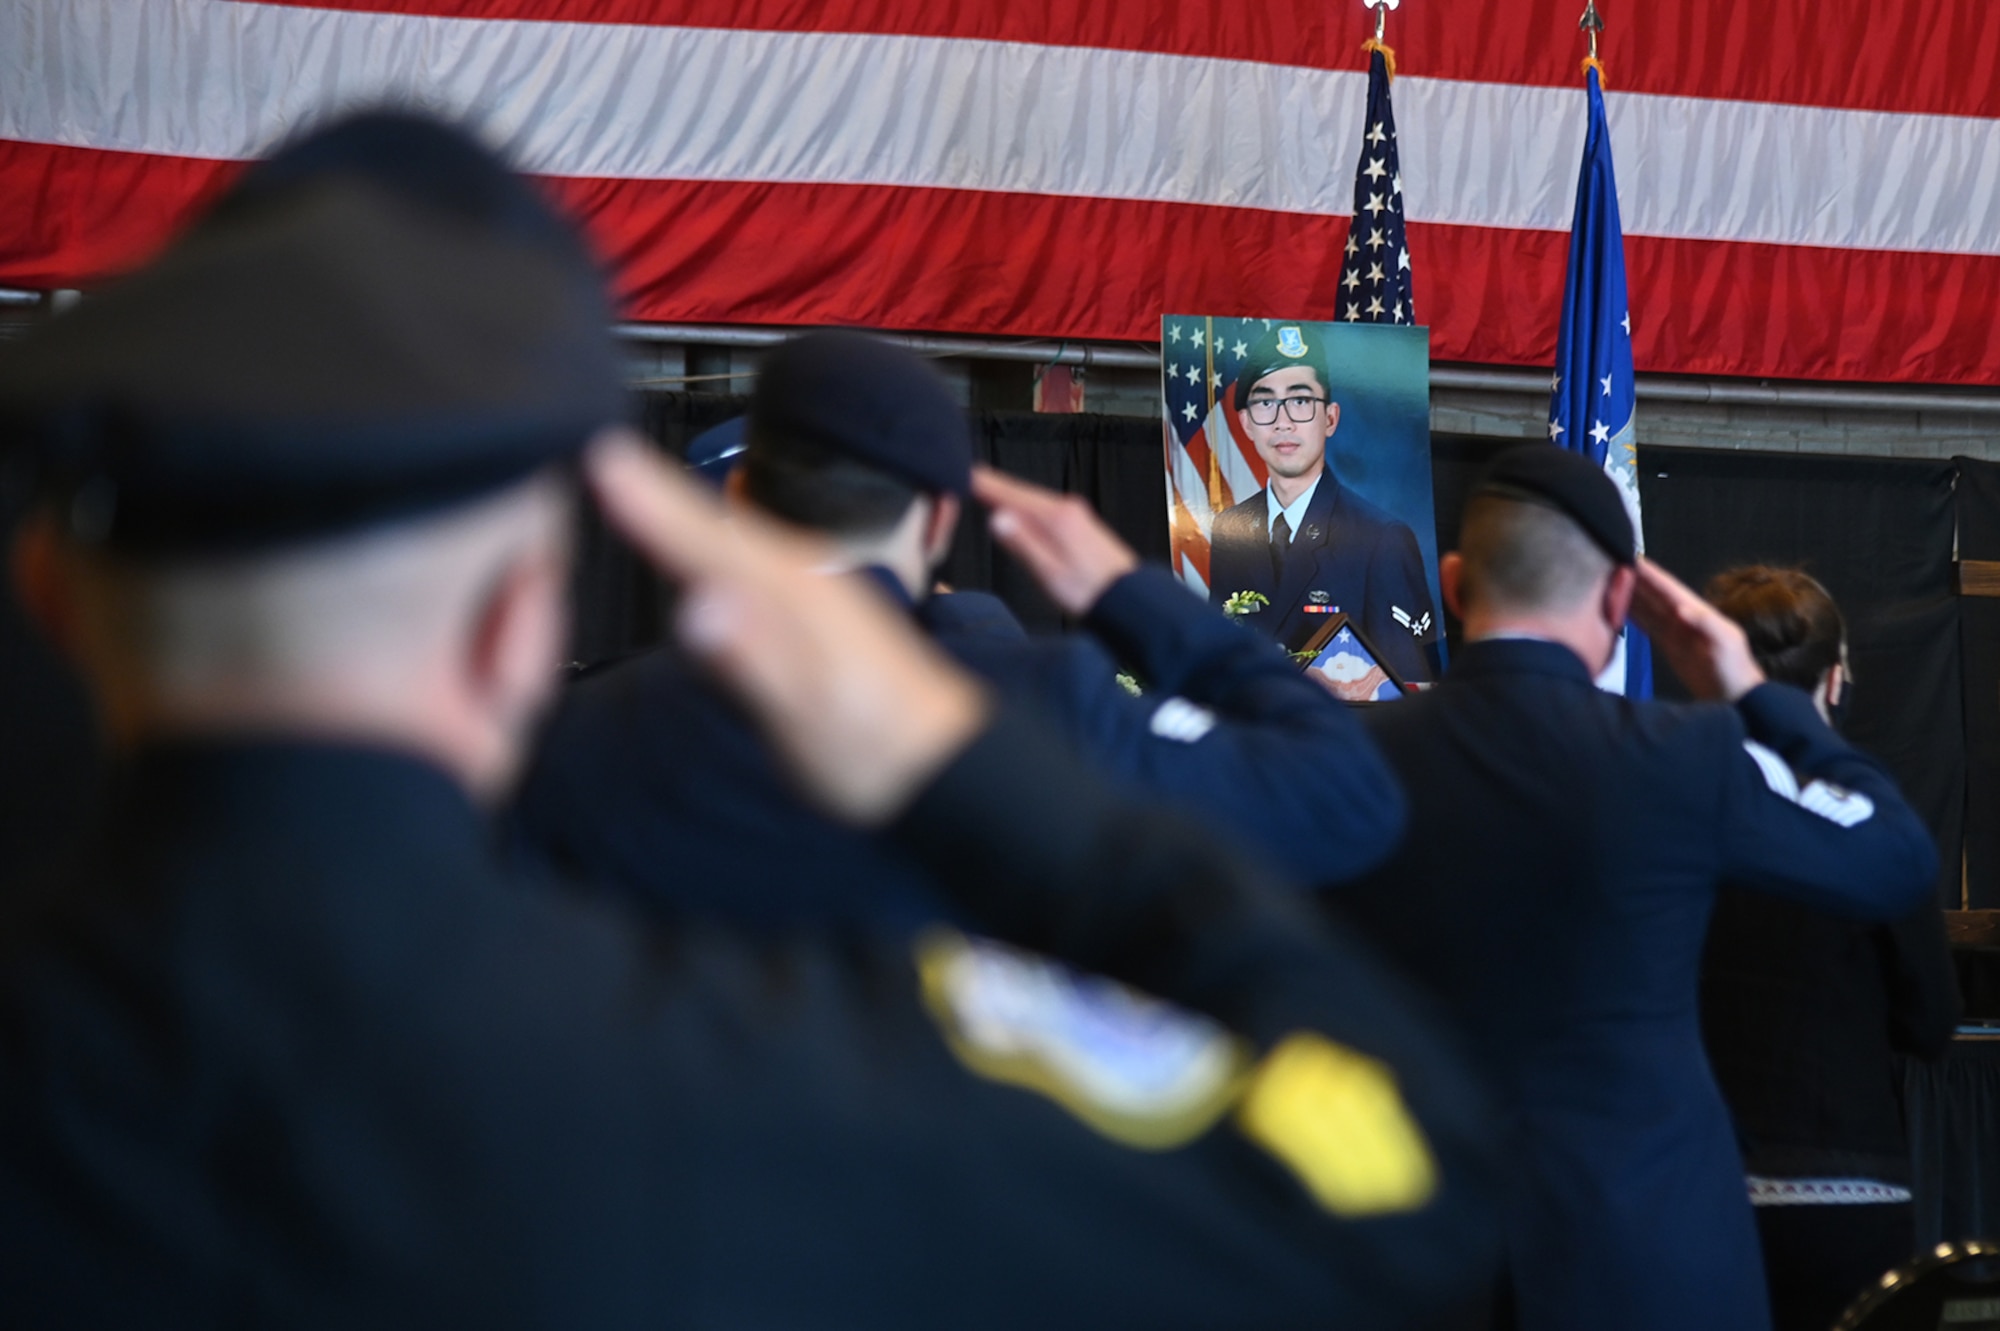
(648, 781)
(1565, 850)
(292, 1050)
(1348, 556)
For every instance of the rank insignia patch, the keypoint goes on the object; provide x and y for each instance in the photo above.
(1336, 1118)
(1417, 626)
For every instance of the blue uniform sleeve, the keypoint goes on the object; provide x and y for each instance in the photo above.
(1807, 816)
(1924, 1003)
(1231, 727)
(1401, 620)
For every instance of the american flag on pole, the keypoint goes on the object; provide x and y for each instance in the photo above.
(1592, 397)
(1211, 463)
(1375, 275)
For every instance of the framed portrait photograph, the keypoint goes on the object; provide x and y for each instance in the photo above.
(1299, 479)
(1340, 657)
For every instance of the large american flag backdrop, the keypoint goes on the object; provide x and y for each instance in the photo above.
(1811, 187)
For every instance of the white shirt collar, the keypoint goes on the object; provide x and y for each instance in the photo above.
(1513, 635)
(1295, 512)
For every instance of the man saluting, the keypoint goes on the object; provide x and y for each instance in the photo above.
(1306, 542)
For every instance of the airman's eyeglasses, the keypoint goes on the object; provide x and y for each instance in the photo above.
(1300, 409)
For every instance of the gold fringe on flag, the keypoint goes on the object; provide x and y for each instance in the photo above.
(1388, 55)
(1591, 62)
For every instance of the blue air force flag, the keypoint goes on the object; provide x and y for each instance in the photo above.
(1593, 394)
(1375, 270)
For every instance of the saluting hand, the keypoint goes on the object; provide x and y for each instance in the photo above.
(1705, 647)
(864, 709)
(1065, 545)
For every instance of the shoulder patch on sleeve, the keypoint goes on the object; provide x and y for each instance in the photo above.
(1836, 804)
(1180, 720)
(1336, 1118)
(1141, 1072)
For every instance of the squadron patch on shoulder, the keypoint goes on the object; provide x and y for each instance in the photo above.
(1141, 1072)
(1336, 1118)
(1180, 720)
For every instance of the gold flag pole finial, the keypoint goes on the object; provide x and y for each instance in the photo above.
(1592, 24)
(1377, 42)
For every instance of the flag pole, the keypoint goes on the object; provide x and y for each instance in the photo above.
(1378, 42)
(1592, 25)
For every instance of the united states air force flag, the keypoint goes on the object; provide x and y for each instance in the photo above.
(1593, 394)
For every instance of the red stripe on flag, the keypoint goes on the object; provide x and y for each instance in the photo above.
(1047, 266)
(1698, 307)
(1197, 451)
(1862, 54)
(70, 217)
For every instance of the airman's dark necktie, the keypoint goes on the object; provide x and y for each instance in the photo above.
(1281, 542)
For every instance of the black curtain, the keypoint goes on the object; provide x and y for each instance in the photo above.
(1456, 462)
(1952, 1110)
(1114, 462)
(617, 605)
(1878, 533)
(1978, 507)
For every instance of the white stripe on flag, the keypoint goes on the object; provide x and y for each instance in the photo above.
(1190, 486)
(1236, 472)
(223, 79)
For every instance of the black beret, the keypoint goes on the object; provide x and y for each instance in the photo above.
(378, 321)
(1569, 483)
(865, 399)
(1284, 346)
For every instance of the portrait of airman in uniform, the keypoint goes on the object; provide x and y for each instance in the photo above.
(1308, 544)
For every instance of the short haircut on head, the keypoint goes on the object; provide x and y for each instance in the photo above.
(810, 485)
(380, 598)
(1524, 556)
(1796, 631)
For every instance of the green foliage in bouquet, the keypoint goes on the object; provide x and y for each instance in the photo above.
(1240, 604)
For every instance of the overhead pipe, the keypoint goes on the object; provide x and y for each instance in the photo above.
(968, 348)
(1519, 383)
(1800, 397)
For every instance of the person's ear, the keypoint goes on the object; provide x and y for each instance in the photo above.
(940, 527)
(1835, 683)
(1451, 569)
(1332, 418)
(736, 487)
(1618, 592)
(41, 581)
(515, 646)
